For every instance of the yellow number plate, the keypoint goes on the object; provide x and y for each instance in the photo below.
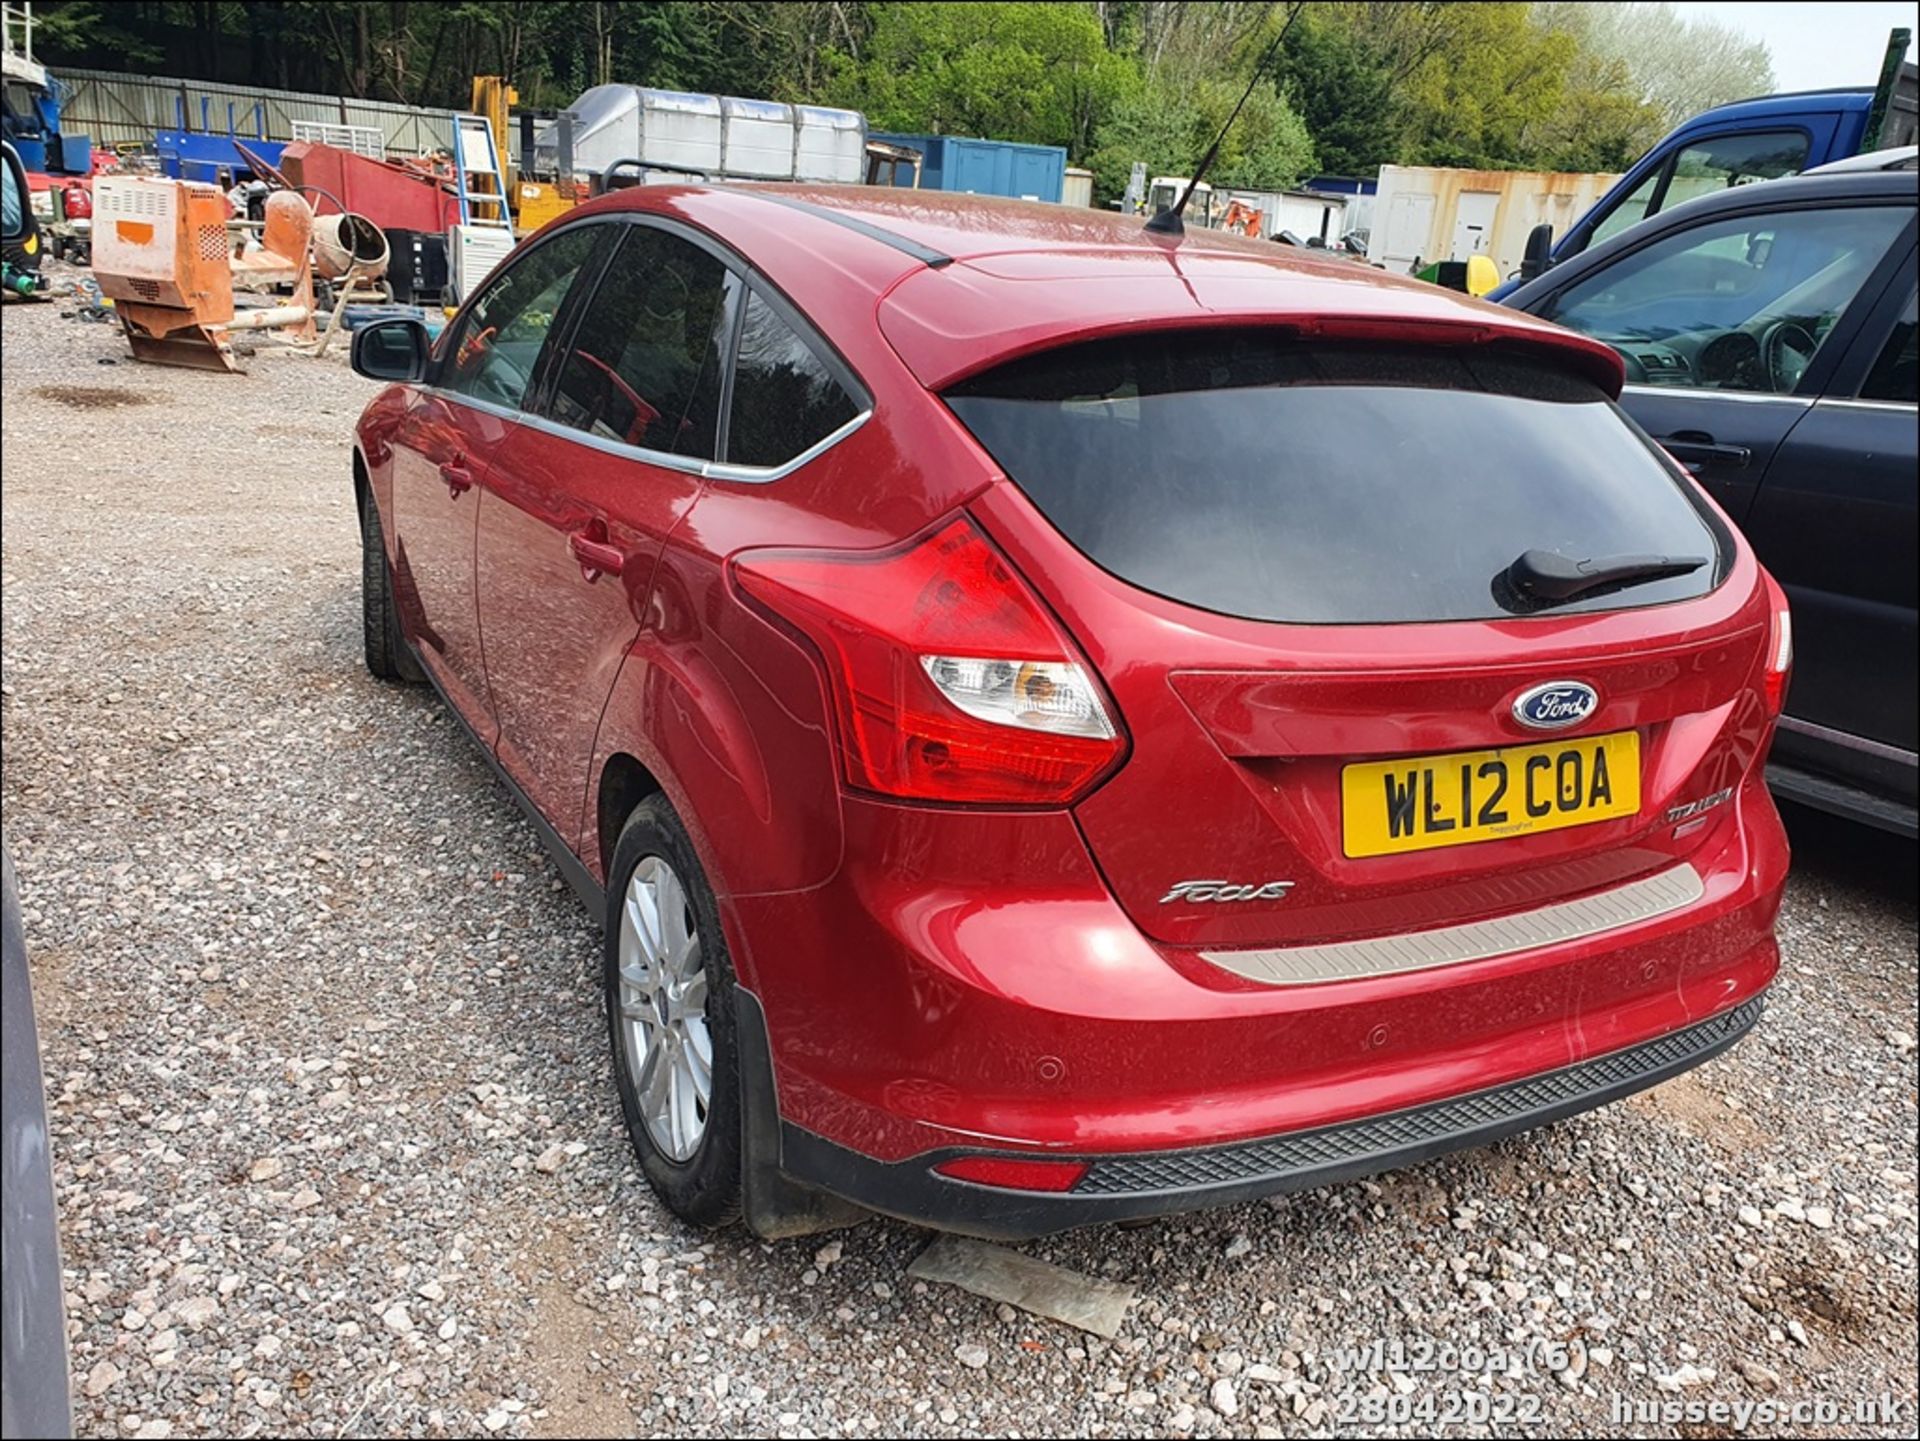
(1421, 802)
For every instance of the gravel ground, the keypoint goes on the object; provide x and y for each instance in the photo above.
(337, 1152)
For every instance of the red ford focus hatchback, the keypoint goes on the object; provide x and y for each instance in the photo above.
(1065, 724)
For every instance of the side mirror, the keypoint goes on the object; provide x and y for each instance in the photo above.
(1538, 258)
(393, 350)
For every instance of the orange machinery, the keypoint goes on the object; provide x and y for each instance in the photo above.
(161, 253)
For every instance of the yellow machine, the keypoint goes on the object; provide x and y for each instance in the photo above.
(538, 201)
(533, 202)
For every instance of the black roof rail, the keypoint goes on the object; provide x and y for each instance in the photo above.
(925, 254)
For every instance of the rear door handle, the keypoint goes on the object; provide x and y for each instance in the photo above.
(1694, 449)
(596, 557)
(458, 478)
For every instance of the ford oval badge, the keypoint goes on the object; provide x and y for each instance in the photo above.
(1556, 705)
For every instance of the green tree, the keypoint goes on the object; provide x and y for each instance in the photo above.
(1676, 65)
(1473, 101)
(1034, 72)
(1343, 91)
(1170, 128)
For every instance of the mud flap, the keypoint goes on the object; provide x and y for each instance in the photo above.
(773, 1204)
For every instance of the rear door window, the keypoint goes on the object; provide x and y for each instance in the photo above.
(647, 363)
(1257, 477)
(786, 395)
(1893, 374)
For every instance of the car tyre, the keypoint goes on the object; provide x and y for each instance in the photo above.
(388, 657)
(699, 1179)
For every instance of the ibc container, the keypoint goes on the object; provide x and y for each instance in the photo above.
(758, 138)
(829, 145)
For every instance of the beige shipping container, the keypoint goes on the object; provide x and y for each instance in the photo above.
(1425, 213)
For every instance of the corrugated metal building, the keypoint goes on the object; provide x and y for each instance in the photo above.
(120, 109)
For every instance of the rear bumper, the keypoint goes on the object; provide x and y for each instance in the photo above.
(972, 985)
(1138, 1184)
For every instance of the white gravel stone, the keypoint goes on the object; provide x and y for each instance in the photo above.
(1223, 1398)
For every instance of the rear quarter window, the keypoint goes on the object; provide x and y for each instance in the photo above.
(786, 398)
(1257, 477)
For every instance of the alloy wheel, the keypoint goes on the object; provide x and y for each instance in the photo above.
(663, 1009)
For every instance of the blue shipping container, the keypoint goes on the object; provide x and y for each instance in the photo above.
(985, 167)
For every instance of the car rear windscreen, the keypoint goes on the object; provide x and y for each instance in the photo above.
(1257, 476)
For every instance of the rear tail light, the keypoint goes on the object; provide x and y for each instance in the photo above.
(1779, 665)
(951, 682)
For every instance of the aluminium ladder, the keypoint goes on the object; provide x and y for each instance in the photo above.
(475, 158)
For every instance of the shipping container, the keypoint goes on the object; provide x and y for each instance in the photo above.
(987, 167)
(1427, 213)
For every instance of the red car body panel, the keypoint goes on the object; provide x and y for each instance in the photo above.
(1004, 998)
(1001, 978)
(440, 451)
(950, 324)
(557, 631)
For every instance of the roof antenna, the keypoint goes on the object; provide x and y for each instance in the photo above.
(1168, 222)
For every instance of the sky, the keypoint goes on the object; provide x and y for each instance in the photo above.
(1815, 45)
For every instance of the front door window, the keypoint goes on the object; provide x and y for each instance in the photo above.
(1743, 303)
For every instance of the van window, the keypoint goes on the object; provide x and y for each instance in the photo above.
(1704, 167)
(13, 201)
(1257, 477)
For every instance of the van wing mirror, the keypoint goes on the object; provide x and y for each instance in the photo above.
(391, 350)
(19, 203)
(1538, 258)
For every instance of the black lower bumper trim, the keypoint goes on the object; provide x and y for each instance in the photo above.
(1124, 1187)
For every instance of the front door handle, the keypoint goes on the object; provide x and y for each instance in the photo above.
(596, 556)
(458, 478)
(1693, 449)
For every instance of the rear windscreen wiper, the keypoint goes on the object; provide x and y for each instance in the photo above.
(1547, 575)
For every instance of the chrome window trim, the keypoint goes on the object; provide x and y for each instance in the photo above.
(1854, 402)
(752, 281)
(764, 474)
(685, 464)
(1803, 401)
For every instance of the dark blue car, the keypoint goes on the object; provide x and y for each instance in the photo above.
(1768, 337)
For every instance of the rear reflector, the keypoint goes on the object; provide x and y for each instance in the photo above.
(1014, 1174)
(951, 682)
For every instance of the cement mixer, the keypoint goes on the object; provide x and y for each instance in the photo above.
(349, 242)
